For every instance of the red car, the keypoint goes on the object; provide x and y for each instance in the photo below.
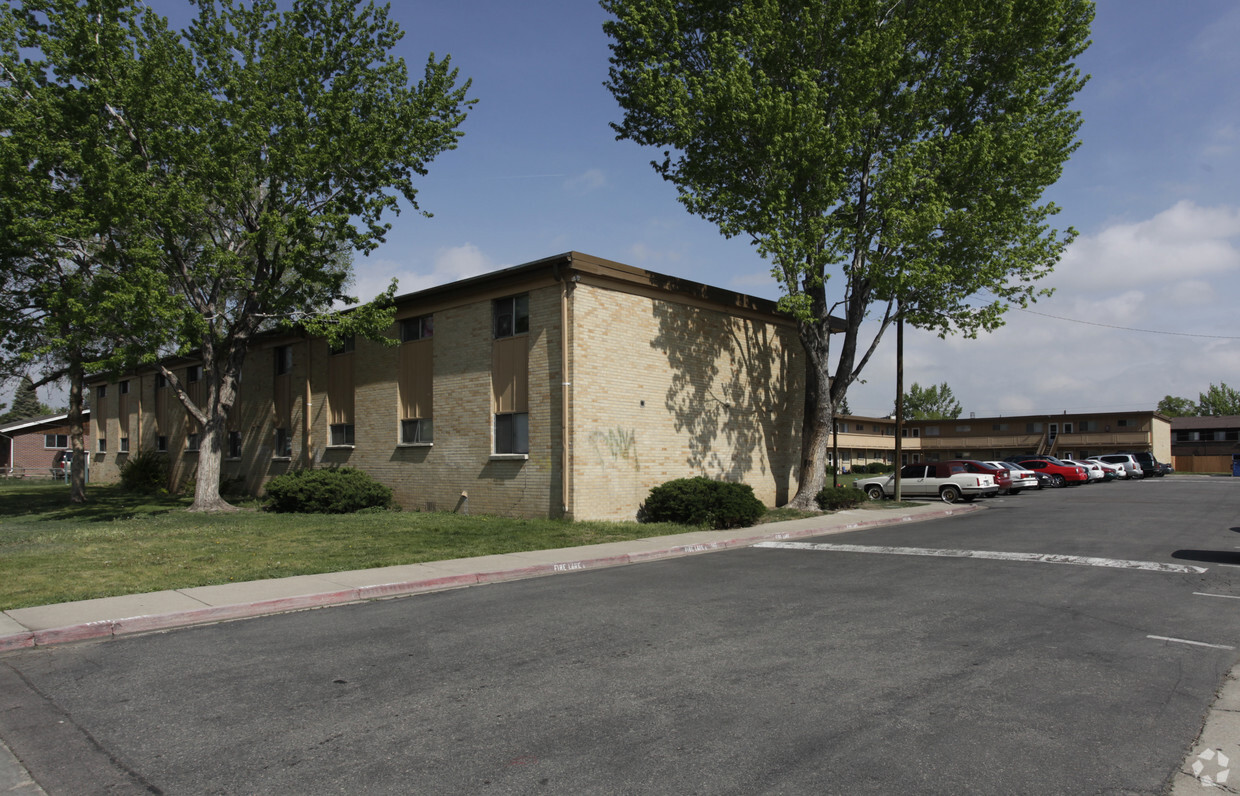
(1002, 475)
(1061, 473)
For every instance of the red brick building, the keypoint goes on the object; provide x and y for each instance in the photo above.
(35, 448)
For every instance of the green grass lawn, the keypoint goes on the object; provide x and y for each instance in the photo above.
(52, 551)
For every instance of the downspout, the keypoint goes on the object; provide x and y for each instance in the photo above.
(307, 426)
(566, 466)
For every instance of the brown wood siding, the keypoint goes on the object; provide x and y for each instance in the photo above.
(282, 400)
(122, 415)
(416, 379)
(510, 374)
(340, 389)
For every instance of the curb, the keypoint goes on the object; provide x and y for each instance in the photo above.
(106, 628)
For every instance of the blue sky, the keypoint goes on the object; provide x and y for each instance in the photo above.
(1152, 190)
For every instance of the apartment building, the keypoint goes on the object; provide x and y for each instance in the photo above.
(36, 447)
(1205, 444)
(568, 386)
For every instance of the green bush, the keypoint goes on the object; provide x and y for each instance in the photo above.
(880, 467)
(839, 497)
(702, 501)
(145, 471)
(340, 490)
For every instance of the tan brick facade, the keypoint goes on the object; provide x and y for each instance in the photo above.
(666, 379)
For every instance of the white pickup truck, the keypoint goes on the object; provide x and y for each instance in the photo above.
(948, 481)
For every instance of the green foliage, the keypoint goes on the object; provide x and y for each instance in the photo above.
(839, 497)
(1174, 406)
(902, 148)
(931, 403)
(145, 472)
(702, 501)
(1219, 400)
(341, 490)
(879, 467)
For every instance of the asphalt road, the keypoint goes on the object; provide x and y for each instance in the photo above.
(772, 670)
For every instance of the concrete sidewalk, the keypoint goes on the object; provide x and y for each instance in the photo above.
(23, 628)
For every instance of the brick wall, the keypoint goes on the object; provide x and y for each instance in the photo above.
(663, 390)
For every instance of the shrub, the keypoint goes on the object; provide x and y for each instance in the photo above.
(833, 498)
(341, 490)
(880, 467)
(702, 501)
(145, 471)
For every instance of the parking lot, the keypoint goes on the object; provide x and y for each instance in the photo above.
(1078, 655)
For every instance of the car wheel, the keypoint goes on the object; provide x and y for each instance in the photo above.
(950, 494)
(874, 492)
(1058, 480)
(1013, 491)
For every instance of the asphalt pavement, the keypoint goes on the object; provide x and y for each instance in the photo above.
(160, 611)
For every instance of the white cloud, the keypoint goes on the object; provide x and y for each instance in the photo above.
(1185, 241)
(590, 180)
(450, 264)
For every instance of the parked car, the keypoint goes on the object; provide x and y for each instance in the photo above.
(1167, 469)
(949, 482)
(1060, 474)
(1125, 460)
(1092, 469)
(1002, 475)
(1020, 478)
(1149, 465)
(1113, 471)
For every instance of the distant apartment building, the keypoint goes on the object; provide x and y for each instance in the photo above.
(1205, 444)
(37, 447)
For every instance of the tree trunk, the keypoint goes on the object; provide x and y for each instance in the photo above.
(210, 455)
(77, 434)
(816, 423)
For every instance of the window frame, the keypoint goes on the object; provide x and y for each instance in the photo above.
(420, 438)
(510, 438)
(234, 445)
(517, 310)
(349, 431)
(285, 450)
(193, 442)
(419, 327)
(282, 359)
(56, 438)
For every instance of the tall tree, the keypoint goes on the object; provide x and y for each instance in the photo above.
(1219, 400)
(59, 187)
(900, 147)
(1174, 406)
(931, 403)
(256, 150)
(26, 403)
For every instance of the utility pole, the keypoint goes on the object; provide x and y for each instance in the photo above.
(899, 394)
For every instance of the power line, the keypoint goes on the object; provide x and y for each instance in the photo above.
(1116, 326)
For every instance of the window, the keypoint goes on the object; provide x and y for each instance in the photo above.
(283, 356)
(861, 427)
(931, 431)
(192, 441)
(1206, 436)
(55, 440)
(161, 381)
(1184, 436)
(964, 429)
(284, 444)
(511, 316)
(1067, 428)
(841, 428)
(341, 434)
(1231, 436)
(999, 427)
(103, 445)
(161, 443)
(1123, 423)
(418, 328)
(345, 345)
(512, 433)
(124, 445)
(418, 431)
(1033, 428)
(1086, 426)
(193, 373)
(234, 444)
(101, 391)
(124, 387)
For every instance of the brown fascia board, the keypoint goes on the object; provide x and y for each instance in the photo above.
(556, 268)
(1198, 422)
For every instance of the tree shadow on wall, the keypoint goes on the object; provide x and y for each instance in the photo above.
(736, 392)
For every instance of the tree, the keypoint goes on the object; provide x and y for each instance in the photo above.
(26, 403)
(931, 403)
(1173, 406)
(254, 153)
(901, 147)
(59, 187)
(1219, 400)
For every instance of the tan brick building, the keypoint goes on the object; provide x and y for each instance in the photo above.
(564, 387)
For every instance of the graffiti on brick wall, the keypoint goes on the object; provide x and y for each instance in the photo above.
(615, 444)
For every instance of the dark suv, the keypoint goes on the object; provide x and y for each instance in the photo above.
(1149, 465)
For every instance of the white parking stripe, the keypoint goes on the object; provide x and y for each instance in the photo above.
(1041, 558)
(1224, 596)
(1193, 643)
